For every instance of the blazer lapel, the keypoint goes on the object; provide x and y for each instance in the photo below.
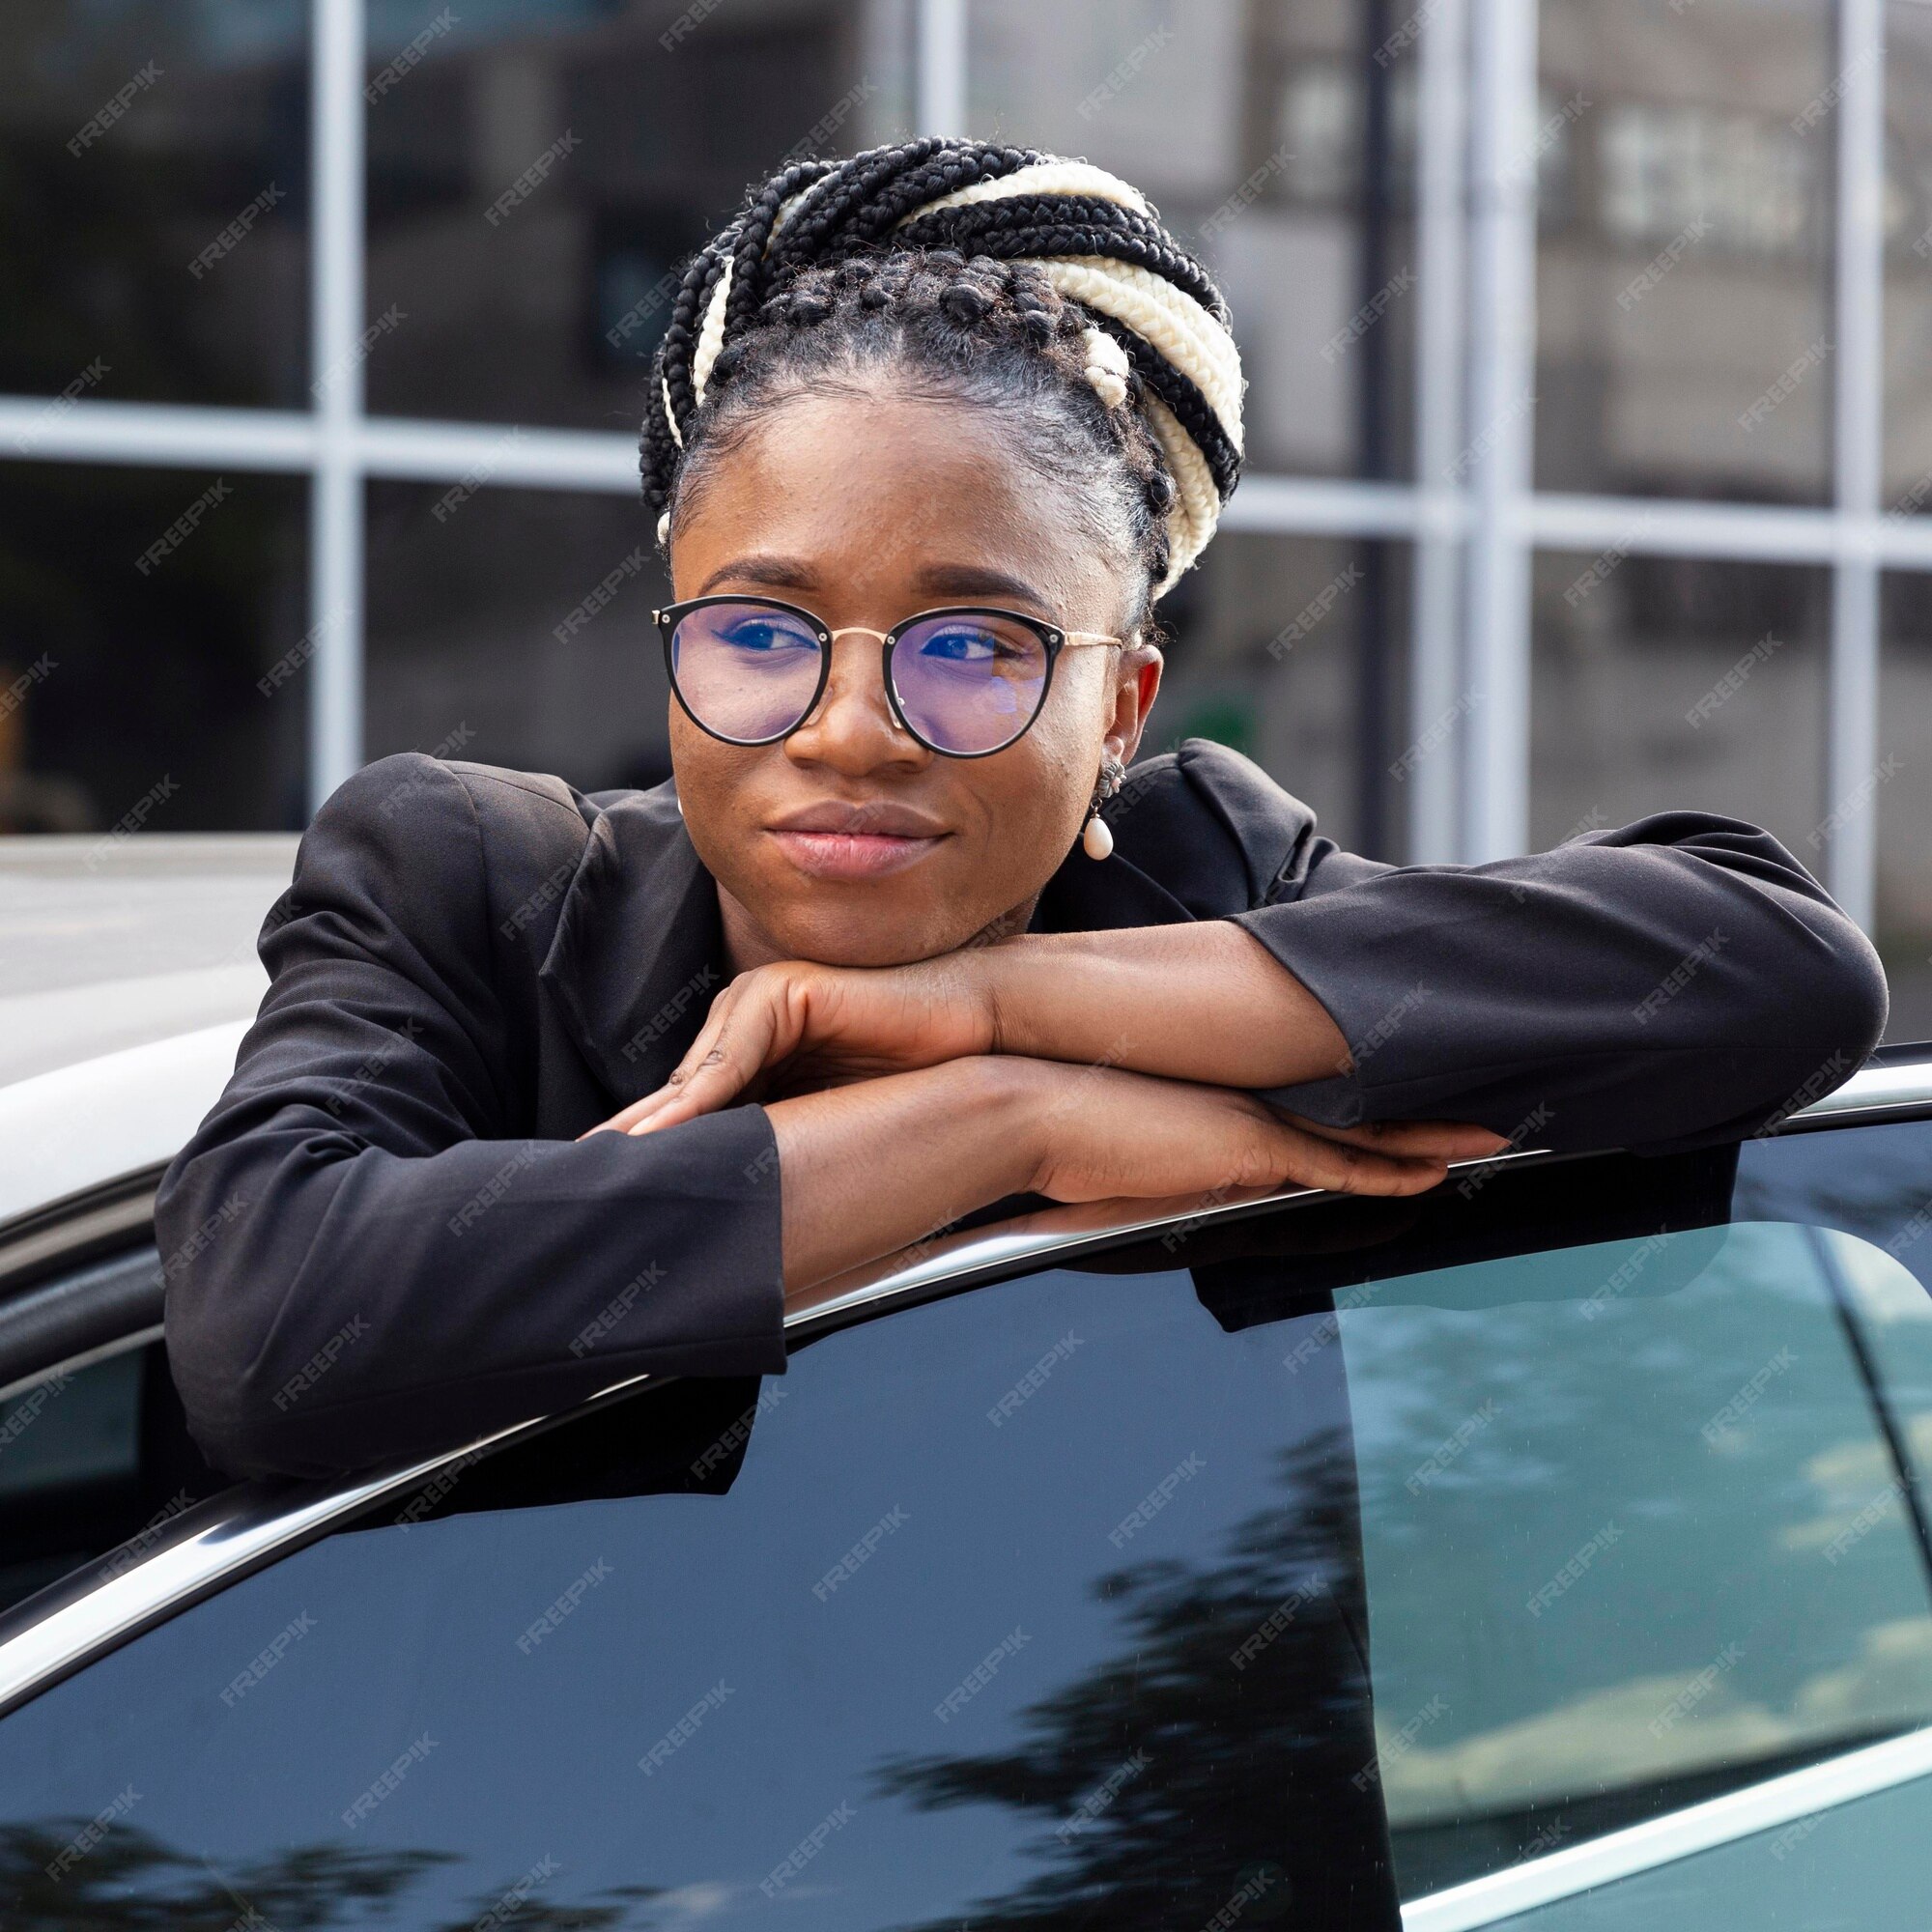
(638, 954)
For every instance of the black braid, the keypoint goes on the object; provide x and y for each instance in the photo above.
(1065, 225)
(1191, 409)
(670, 374)
(855, 280)
(912, 189)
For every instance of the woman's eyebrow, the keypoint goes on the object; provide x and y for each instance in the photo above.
(780, 573)
(973, 580)
(935, 580)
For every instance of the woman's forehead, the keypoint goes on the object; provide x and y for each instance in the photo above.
(923, 493)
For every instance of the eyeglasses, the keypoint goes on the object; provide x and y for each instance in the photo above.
(965, 681)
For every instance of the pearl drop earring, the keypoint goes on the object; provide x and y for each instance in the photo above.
(1097, 839)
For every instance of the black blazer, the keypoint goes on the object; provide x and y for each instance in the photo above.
(385, 1237)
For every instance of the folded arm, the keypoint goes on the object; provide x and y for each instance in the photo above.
(390, 1266)
(1680, 981)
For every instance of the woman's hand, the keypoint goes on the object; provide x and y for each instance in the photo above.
(798, 1027)
(1103, 1134)
(795, 1028)
(1198, 1000)
(989, 1125)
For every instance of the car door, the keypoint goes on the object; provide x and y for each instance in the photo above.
(1248, 1573)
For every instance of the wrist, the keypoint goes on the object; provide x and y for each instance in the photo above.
(963, 986)
(1013, 982)
(1008, 1099)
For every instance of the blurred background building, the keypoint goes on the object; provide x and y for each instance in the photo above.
(1590, 450)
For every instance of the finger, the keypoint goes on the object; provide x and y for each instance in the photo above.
(628, 1119)
(1456, 1140)
(699, 1057)
(731, 1050)
(1445, 1140)
(1359, 1171)
(625, 1118)
(716, 1081)
(1344, 1169)
(1439, 1140)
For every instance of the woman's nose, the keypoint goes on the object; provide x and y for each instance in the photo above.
(853, 728)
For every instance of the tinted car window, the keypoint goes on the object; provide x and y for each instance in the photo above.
(94, 1448)
(1051, 1604)
(1629, 1529)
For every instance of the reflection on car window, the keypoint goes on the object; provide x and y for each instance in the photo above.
(964, 1628)
(1628, 1534)
(1053, 1606)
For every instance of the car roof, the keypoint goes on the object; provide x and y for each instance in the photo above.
(109, 942)
(128, 977)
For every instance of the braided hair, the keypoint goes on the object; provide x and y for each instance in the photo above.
(989, 276)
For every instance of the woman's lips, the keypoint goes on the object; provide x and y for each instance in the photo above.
(853, 854)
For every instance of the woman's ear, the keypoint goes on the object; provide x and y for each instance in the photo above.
(1135, 687)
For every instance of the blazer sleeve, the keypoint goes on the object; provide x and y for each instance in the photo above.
(1677, 982)
(363, 1257)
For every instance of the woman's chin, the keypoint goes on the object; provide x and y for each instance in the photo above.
(843, 937)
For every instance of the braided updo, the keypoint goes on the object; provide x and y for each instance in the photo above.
(994, 276)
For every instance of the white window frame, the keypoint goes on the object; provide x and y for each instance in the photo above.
(1473, 515)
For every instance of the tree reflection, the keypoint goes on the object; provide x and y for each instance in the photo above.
(131, 1881)
(1219, 1768)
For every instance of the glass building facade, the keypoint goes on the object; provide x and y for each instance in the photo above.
(1590, 454)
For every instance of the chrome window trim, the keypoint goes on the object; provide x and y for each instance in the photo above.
(224, 1539)
(1703, 1827)
(1886, 1087)
(94, 1219)
(186, 1557)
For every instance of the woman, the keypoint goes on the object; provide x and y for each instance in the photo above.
(549, 1090)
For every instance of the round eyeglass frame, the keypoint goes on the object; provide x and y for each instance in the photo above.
(1053, 640)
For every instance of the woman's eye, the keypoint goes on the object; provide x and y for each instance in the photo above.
(961, 646)
(760, 635)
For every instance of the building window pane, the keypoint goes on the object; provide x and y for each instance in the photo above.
(153, 179)
(1902, 795)
(1287, 648)
(1684, 301)
(1672, 166)
(538, 175)
(143, 617)
(1662, 684)
(1908, 307)
(513, 627)
(1280, 151)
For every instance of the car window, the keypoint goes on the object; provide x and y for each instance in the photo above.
(94, 1451)
(1627, 1530)
(1127, 1598)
